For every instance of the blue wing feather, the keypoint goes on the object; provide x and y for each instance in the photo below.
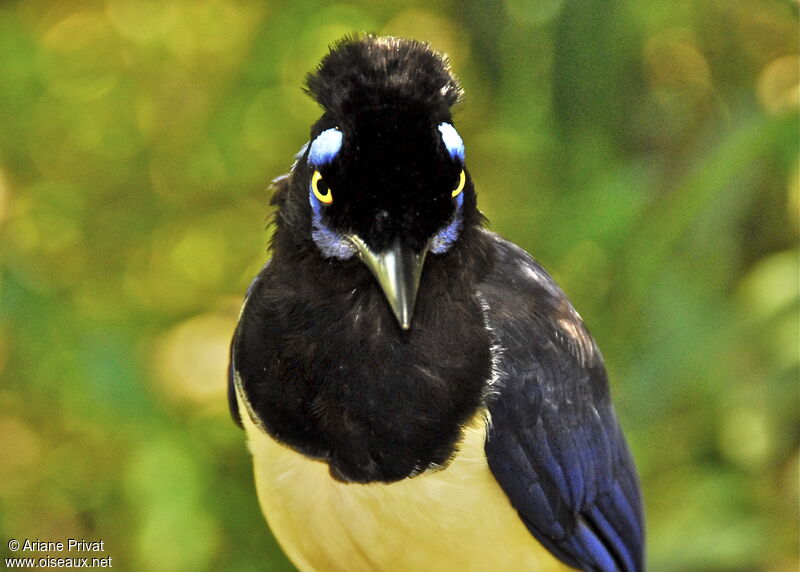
(554, 443)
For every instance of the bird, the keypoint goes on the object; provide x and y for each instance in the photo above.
(417, 392)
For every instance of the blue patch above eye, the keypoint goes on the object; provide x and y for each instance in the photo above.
(325, 147)
(452, 140)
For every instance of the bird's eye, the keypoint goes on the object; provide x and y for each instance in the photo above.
(321, 189)
(462, 179)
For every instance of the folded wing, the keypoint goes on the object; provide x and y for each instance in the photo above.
(554, 443)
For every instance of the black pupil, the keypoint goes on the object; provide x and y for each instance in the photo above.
(322, 187)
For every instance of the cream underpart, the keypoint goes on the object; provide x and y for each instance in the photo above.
(453, 519)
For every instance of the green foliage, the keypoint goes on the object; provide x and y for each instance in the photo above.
(645, 152)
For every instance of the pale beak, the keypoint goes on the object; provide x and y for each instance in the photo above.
(397, 270)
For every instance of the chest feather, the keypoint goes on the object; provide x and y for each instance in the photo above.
(454, 519)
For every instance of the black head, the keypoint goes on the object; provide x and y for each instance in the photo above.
(378, 194)
(383, 175)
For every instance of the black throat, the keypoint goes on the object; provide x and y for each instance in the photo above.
(327, 370)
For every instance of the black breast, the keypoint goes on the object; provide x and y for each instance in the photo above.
(327, 370)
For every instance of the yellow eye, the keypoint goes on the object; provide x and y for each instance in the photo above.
(462, 179)
(321, 189)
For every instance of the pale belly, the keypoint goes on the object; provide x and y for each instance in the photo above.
(455, 519)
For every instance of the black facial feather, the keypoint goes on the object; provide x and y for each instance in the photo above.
(393, 175)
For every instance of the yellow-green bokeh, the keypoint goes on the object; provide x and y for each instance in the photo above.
(645, 152)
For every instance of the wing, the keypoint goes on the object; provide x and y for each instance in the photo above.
(281, 189)
(233, 404)
(554, 443)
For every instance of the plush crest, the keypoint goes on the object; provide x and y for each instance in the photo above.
(367, 72)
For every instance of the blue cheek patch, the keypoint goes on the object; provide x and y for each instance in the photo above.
(453, 142)
(330, 243)
(321, 151)
(325, 147)
(316, 206)
(445, 238)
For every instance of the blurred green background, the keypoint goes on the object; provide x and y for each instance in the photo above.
(646, 152)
